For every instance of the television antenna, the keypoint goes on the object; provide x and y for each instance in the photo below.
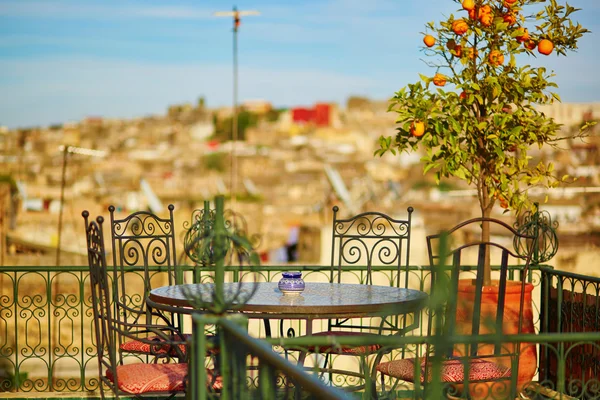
(236, 15)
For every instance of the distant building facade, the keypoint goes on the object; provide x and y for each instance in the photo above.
(320, 115)
(571, 114)
(257, 106)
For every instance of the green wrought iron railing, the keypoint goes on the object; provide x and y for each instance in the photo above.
(248, 359)
(46, 341)
(256, 371)
(572, 304)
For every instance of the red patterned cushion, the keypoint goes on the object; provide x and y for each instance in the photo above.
(343, 349)
(150, 378)
(452, 370)
(137, 346)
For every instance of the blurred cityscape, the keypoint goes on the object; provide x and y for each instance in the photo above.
(292, 166)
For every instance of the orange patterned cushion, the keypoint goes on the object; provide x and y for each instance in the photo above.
(151, 378)
(351, 350)
(452, 370)
(137, 346)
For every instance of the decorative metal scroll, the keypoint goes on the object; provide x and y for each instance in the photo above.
(369, 239)
(215, 245)
(143, 238)
(202, 222)
(539, 224)
(571, 303)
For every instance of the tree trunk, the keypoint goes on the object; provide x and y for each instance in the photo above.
(485, 237)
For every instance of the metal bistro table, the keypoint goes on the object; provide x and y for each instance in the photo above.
(317, 301)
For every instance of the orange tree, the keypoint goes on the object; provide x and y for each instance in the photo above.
(481, 129)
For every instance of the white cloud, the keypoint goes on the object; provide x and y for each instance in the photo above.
(62, 9)
(53, 90)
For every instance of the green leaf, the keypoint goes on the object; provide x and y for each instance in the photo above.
(460, 173)
(495, 91)
(425, 79)
(516, 130)
(429, 166)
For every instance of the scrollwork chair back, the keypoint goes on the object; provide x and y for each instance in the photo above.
(140, 241)
(371, 239)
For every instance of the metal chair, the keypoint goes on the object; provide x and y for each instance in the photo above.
(140, 379)
(368, 240)
(492, 367)
(139, 241)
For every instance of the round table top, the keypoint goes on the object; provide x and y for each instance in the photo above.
(317, 300)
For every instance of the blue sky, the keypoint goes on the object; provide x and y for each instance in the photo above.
(63, 60)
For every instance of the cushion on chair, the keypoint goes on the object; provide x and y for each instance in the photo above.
(137, 346)
(343, 349)
(150, 378)
(452, 370)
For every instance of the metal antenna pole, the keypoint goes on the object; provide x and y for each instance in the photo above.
(66, 150)
(62, 201)
(234, 121)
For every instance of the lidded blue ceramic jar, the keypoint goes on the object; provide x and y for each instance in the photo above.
(291, 283)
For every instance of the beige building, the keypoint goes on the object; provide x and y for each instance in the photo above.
(570, 114)
(257, 106)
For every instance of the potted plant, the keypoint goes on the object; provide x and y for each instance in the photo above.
(475, 116)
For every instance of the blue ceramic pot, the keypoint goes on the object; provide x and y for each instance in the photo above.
(291, 283)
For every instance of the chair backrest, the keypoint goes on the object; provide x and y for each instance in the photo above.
(101, 300)
(471, 312)
(142, 239)
(202, 223)
(371, 239)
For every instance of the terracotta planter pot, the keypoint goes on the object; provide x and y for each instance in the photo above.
(489, 301)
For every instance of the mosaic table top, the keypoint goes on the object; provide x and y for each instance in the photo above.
(318, 299)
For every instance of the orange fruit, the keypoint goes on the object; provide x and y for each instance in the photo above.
(429, 40)
(509, 3)
(485, 15)
(545, 46)
(457, 51)
(417, 128)
(496, 58)
(510, 18)
(472, 14)
(462, 96)
(530, 44)
(503, 202)
(524, 37)
(439, 79)
(483, 10)
(460, 27)
(468, 5)
(451, 44)
(486, 19)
